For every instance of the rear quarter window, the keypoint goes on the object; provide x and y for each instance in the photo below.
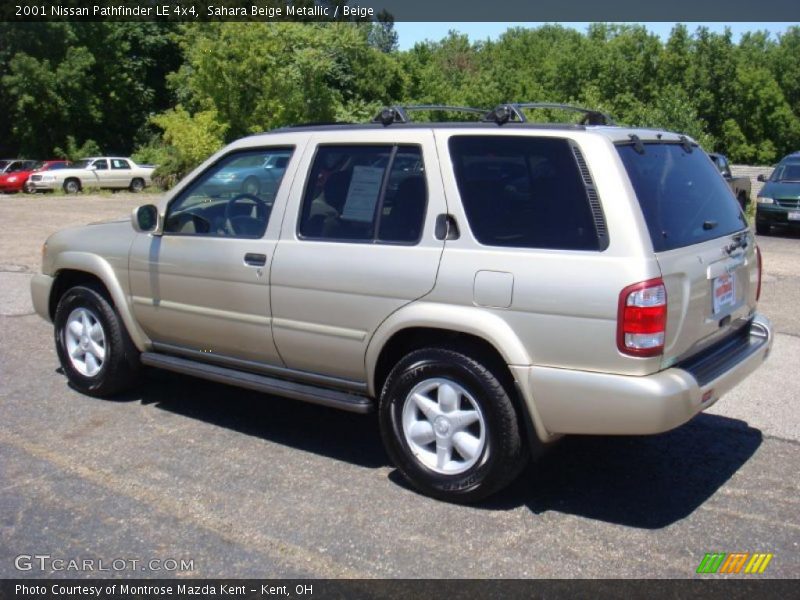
(523, 192)
(682, 196)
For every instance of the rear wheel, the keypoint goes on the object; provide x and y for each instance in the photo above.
(93, 346)
(137, 185)
(72, 186)
(450, 427)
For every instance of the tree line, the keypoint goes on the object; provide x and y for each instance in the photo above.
(173, 93)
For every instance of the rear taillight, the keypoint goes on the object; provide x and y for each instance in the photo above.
(760, 269)
(642, 318)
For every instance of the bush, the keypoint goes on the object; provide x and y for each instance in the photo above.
(74, 152)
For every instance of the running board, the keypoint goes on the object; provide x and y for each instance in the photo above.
(261, 383)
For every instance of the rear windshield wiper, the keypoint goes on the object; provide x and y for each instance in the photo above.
(739, 241)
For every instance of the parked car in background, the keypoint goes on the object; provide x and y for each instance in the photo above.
(44, 165)
(14, 174)
(95, 172)
(778, 202)
(250, 175)
(740, 186)
(16, 179)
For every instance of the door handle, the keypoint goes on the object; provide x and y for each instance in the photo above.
(255, 260)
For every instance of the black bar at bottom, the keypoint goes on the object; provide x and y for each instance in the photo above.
(708, 588)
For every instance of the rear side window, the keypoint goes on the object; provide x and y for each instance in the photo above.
(365, 193)
(523, 192)
(683, 198)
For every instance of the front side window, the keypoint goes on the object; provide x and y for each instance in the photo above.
(233, 198)
(101, 165)
(523, 192)
(365, 193)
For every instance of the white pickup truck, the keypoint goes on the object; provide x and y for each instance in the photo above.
(95, 172)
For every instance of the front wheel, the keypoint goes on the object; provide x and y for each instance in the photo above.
(93, 346)
(29, 188)
(450, 426)
(136, 186)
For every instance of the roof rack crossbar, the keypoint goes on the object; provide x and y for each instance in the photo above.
(513, 112)
(399, 114)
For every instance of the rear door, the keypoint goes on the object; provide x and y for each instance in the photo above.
(357, 244)
(120, 175)
(701, 240)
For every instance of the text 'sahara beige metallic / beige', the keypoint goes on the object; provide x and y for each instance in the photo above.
(487, 287)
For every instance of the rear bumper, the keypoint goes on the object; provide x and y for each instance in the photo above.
(40, 294)
(45, 185)
(582, 402)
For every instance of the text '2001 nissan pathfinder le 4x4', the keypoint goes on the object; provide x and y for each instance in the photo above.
(486, 286)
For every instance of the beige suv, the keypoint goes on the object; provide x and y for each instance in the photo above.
(488, 286)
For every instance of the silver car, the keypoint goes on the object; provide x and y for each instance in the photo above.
(486, 287)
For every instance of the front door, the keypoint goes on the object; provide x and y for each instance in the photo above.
(203, 286)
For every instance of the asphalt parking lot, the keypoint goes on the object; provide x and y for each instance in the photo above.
(245, 485)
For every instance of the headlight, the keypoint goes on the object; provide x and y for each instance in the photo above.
(48, 177)
(765, 200)
(12, 179)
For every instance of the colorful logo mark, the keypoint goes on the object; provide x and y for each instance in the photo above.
(735, 562)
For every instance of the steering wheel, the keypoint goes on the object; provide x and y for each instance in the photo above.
(246, 224)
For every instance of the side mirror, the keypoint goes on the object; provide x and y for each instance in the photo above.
(761, 178)
(145, 219)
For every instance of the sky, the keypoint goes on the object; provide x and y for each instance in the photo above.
(411, 33)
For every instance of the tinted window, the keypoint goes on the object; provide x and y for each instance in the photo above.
(233, 198)
(788, 171)
(523, 192)
(101, 165)
(365, 193)
(683, 199)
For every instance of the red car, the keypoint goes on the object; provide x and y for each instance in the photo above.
(14, 173)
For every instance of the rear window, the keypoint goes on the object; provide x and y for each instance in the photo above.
(682, 196)
(523, 192)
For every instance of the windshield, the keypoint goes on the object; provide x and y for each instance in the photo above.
(787, 172)
(4, 164)
(683, 198)
(81, 164)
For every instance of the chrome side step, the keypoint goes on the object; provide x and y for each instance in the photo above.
(261, 383)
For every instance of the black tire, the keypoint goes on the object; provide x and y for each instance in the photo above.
(762, 228)
(120, 366)
(72, 186)
(504, 452)
(137, 185)
(28, 187)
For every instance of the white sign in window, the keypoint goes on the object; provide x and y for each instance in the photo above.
(362, 195)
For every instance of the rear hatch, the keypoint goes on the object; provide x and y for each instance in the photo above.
(702, 243)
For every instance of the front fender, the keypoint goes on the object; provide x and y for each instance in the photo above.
(105, 272)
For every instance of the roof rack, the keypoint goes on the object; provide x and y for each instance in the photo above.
(399, 114)
(513, 112)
